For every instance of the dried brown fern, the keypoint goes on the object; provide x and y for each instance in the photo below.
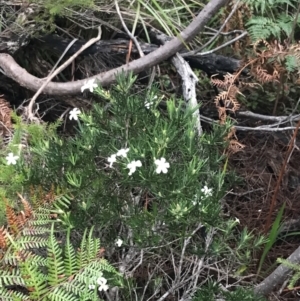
(234, 145)
(12, 218)
(5, 118)
(27, 207)
(3, 237)
(16, 221)
(269, 64)
(264, 76)
(226, 100)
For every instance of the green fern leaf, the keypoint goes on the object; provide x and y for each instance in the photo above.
(262, 28)
(70, 262)
(93, 246)
(11, 277)
(9, 295)
(55, 262)
(34, 280)
(81, 253)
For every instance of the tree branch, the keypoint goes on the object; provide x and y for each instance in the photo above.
(278, 276)
(21, 76)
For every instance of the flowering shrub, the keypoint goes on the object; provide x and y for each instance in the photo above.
(149, 185)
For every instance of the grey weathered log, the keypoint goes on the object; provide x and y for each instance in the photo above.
(14, 71)
(280, 274)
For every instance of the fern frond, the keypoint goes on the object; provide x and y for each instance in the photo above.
(12, 218)
(263, 76)
(263, 28)
(10, 295)
(59, 295)
(27, 207)
(285, 22)
(73, 288)
(55, 262)
(36, 230)
(93, 246)
(34, 259)
(81, 252)
(26, 242)
(3, 242)
(11, 277)
(35, 281)
(70, 262)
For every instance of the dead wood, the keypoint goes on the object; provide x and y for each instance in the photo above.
(277, 277)
(12, 70)
(210, 63)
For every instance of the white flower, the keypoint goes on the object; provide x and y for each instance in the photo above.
(101, 280)
(103, 287)
(90, 84)
(148, 104)
(91, 286)
(74, 114)
(162, 165)
(133, 165)
(237, 220)
(11, 159)
(119, 242)
(112, 159)
(207, 191)
(123, 152)
(102, 284)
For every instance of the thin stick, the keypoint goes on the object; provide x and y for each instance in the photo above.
(281, 174)
(61, 68)
(217, 33)
(132, 37)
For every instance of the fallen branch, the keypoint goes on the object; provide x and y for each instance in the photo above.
(189, 80)
(14, 71)
(277, 277)
(265, 128)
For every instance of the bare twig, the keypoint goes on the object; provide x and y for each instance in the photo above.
(61, 68)
(279, 119)
(217, 33)
(246, 128)
(223, 45)
(132, 37)
(280, 176)
(229, 33)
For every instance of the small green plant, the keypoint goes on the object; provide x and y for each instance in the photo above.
(48, 10)
(270, 19)
(213, 291)
(294, 267)
(58, 8)
(271, 238)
